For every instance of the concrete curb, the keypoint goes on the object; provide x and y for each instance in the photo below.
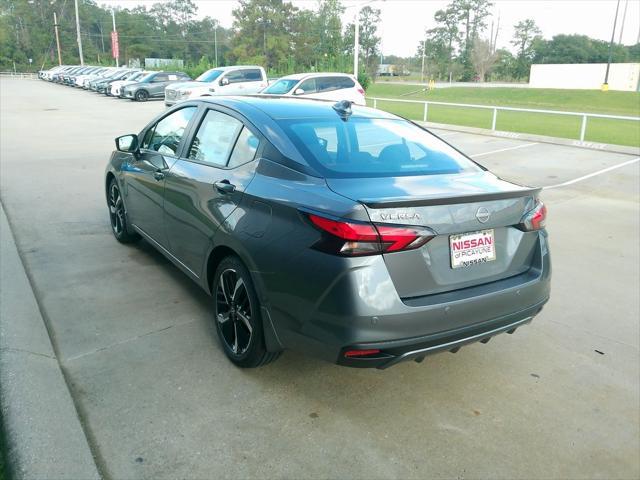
(604, 147)
(43, 433)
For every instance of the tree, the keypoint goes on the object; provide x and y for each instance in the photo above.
(526, 34)
(328, 26)
(482, 58)
(505, 65)
(577, 49)
(444, 37)
(472, 15)
(263, 32)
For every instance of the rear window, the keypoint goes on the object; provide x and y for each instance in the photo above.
(373, 147)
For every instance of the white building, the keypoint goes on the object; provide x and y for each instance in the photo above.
(587, 76)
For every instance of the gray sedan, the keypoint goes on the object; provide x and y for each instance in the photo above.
(339, 231)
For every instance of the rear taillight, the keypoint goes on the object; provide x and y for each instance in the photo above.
(534, 219)
(361, 91)
(355, 239)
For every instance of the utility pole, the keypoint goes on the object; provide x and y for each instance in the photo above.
(115, 33)
(624, 16)
(55, 26)
(78, 32)
(356, 43)
(215, 41)
(605, 85)
(424, 48)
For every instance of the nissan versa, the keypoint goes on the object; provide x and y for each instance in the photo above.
(336, 230)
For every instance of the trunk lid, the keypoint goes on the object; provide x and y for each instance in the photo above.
(448, 205)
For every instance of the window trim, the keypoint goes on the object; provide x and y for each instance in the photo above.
(245, 124)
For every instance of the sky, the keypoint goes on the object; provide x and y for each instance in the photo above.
(403, 22)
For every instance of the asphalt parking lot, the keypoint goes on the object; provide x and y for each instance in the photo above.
(158, 399)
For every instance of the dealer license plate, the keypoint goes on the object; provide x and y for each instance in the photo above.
(472, 248)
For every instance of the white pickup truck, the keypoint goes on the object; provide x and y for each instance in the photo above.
(234, 80)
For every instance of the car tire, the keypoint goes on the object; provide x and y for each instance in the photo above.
(237, 316)
(118, 215)
(142, 96)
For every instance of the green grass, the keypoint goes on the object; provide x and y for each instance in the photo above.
(622, 132)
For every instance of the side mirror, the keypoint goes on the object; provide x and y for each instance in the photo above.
(224, 81)
(298, 91)
(127, 143)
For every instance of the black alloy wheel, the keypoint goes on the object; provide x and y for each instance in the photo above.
(237, 315)
(118, 215)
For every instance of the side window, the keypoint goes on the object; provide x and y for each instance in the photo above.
(326, 84)
(309, 86)
(214, 139)
(165, 137)
(161, 77)
(254, 75)
(245, 149)
(235, 76)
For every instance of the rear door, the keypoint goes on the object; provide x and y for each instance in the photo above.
(206, 184)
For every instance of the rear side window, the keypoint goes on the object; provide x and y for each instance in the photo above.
(326, 84)
(214, 139)
(254, 75)
(373, 147)
(166, 135)
(245, 149)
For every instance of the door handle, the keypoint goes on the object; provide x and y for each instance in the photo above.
(224, 186)
(158, 175)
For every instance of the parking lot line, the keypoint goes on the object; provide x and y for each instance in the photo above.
(599, 172)
(504, 149)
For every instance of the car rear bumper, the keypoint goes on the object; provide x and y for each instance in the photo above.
(359, 309)
(391, 353)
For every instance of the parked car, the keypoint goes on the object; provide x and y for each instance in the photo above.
(340, 231)
(101, 86)
(152, 86)
(118, 84)
(323, 86)
(235, 80)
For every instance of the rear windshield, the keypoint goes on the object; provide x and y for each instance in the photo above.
(373, 147)
(280, 87)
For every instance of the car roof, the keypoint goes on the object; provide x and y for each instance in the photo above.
(235, 67)
(282, 107)
(300, 76)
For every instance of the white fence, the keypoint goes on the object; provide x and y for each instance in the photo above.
(495, 109)
(30, 76)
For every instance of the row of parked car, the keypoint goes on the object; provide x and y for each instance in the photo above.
(139, 85)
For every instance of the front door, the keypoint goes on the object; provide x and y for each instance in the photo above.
(204, 188)
(145, 174)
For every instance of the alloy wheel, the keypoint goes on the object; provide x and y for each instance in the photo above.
(116, 210)
(233, 312)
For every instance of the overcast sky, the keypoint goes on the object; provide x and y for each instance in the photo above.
(403, 22)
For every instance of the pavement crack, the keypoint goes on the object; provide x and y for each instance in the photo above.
(125, 341)
(21, 350)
